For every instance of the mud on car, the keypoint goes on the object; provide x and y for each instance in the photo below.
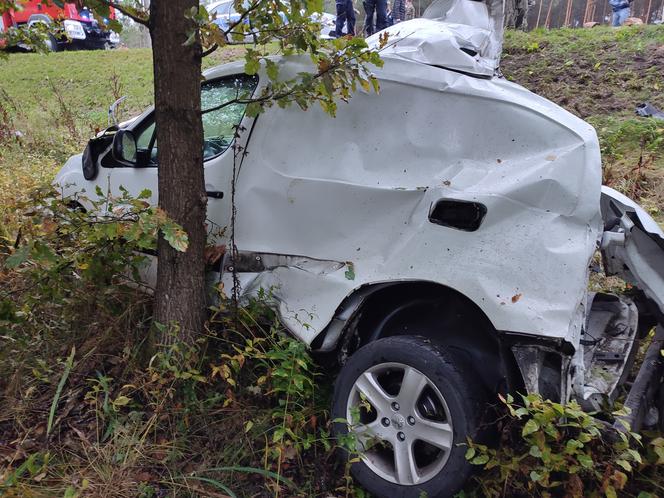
(435, 239)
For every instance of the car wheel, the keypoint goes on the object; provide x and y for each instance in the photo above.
(409, 406)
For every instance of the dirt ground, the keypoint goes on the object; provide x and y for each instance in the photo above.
(606, 74)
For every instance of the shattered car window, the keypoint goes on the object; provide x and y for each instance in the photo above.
(221, 114)
(223, 111)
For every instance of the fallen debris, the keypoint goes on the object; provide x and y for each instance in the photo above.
(647, 110)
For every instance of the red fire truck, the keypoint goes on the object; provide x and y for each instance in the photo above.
(81, 29)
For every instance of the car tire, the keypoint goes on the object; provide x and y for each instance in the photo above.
(420, 403)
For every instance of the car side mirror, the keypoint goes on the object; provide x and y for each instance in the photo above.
(124, 147)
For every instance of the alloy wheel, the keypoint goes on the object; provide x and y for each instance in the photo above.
(401, 422)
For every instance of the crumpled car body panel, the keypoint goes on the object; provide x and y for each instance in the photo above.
(357, 189)
(632, 245)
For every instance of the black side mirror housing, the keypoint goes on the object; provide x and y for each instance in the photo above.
(124, 147)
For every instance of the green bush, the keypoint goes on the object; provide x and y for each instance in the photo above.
(550, 449)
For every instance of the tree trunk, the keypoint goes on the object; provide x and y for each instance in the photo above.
(516, 13)
(180, 294)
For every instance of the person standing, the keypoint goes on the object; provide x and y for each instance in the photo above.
(379, 7)
(399, 11)
(345, 14)
(620, 11)
(410, 10)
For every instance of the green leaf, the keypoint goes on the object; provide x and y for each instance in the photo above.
(43, 254)
(530, 427)
(350, 271)
(278, 435)
(191, 39)
(115, 25)
(636, 456)
(584, 437)
(572, 445)
(659, 451)
(7, 311)
(121, 401)
(253, 109)
(176, 237)
(585, 460)
(20, 256)
(272, 70)
(253, 470)
(520, 412)
(624, 464)
(70, 492)
(480, 460)
(252, 66)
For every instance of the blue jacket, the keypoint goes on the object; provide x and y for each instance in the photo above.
(617, 5)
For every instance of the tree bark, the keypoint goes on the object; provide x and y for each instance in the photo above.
(516, 13)
(180, 293)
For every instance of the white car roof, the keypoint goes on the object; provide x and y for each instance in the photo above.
(215, 5)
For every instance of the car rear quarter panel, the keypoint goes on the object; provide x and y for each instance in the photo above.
(357, 189)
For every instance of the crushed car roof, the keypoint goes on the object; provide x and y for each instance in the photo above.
(461, 35)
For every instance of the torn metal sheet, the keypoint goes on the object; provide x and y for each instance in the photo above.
(260, 262)
(633, 245)
(608, 348)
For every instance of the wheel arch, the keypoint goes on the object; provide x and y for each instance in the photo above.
(427, 309)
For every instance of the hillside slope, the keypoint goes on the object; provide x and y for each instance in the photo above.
(601, 75)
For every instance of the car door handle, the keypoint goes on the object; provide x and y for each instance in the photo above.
(215, 194)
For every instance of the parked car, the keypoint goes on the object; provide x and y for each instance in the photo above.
(80, 28)
(225, 14)
(435, 239)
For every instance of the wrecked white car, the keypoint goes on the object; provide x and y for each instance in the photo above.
(435, 239)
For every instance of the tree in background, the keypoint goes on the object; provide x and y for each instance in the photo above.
(182, 33)
(516, 13)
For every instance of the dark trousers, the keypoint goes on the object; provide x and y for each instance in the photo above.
(345, 13)
(380, 8)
